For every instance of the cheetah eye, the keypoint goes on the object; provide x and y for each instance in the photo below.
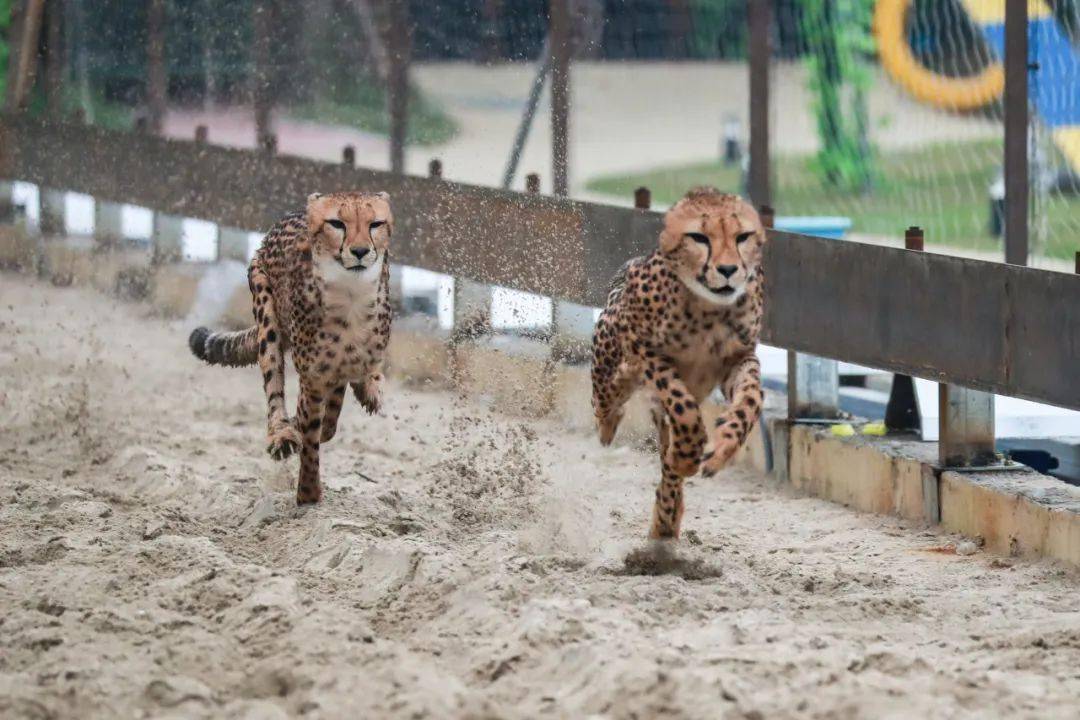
(698, 237)
(376, 225)
(743, 237)
(336, 224)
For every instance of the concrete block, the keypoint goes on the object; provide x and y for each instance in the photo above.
(854, 473)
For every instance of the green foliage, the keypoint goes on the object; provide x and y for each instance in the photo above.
(362, 104)
(5, 23)
(711, 22)
(839, 42)
(107, 114)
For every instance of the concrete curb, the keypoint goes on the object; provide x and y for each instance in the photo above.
(1016, 513)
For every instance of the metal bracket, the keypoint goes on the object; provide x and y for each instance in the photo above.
(966, 421)
(813, 389)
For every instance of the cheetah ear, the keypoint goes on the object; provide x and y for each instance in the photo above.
(313, 197)
(383, 196)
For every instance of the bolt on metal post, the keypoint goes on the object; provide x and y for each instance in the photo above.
(813, 383)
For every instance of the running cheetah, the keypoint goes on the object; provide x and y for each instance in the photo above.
(681, 321)
(320, 285)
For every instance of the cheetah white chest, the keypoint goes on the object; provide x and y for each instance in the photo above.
(350, 316)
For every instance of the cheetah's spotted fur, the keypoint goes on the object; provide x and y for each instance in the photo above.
(681, 321)
(320, 286)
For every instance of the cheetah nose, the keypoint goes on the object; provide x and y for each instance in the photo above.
(727, 270)
(360, 252)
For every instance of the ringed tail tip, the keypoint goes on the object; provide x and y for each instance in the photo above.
(197, 342)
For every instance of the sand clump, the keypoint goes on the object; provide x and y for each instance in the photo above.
(462, 564)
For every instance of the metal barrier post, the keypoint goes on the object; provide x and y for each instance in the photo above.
(967, 427)
(7, 202)
(813, 388)
(108, 223)
(232, 244)
(52, 221)
(813, 383)
(167, 239)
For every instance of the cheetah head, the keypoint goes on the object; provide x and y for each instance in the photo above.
(350, 229)
(714, 242)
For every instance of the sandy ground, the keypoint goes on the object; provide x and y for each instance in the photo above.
(463, 564)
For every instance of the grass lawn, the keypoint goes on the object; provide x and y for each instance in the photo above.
(363, 106)
(941, 188)
(105, 114)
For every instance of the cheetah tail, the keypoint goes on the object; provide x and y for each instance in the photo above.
(234, 349)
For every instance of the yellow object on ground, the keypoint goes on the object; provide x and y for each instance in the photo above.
(874, 428)
(842, 430)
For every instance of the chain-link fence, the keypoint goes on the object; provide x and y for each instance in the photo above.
(883, 113)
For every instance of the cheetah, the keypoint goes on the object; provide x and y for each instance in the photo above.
(320, 286)
(681, 321)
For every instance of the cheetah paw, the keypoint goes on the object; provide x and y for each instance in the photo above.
(717, 459)
(370, 393)
(283, 440)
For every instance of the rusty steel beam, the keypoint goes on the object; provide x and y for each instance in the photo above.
(988, 326)
(564, 249)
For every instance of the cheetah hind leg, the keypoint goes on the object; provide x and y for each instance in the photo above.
(607, 425)
(331, 413)
(609, 413)
(369, 392)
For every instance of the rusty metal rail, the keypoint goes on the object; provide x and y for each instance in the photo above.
(1002, 328)
(568, 250)
(1008, 329)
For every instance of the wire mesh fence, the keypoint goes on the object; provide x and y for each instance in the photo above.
(884, 113)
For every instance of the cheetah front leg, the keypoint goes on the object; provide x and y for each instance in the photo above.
(742, 388)
(668, 508)
(309, 413)
(682, 439)
(282, 438)
(686, 434)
